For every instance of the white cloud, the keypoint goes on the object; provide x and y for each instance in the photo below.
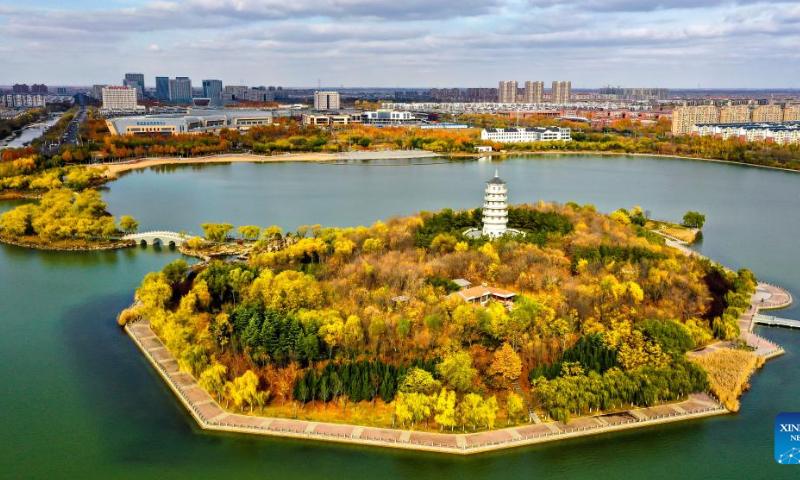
(413, 42)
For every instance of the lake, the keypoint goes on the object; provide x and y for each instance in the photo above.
(79, 400)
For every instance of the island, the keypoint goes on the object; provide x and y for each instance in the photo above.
(452, 331)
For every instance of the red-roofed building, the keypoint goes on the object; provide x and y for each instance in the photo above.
(484, 294)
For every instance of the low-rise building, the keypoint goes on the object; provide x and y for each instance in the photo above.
(483, 294)
(780, 133)
(26, 100)
(526, 135)
(208, 121)
(388, 117)
(328, 120)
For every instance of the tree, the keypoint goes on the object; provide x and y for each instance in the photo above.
(244, 390)
(514, 406)
(175, 271)
(128, 224)
(213, 379)
(249, 232)
(506, 364)
(353, 333)
(420, 407)
(239, 279)
(694, 219)
(17, 222)
(456, 369)
(418, 380)
(155, 291)
(444, 243)
(402, 409)
(445, 408)
(272, 233)
(287, 291)
(282, 380)
(488, 411)
(216, 232)
(470, 410)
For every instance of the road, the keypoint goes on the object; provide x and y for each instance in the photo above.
(70, 135)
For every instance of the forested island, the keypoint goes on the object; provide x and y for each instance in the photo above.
(68, 214)
(412, 324)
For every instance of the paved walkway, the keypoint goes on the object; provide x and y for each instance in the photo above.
(766, 297)
(211, 416)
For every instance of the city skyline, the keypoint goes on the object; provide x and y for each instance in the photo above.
(356, 43)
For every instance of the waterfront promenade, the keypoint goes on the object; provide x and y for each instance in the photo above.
(211, 416)
(766, 297)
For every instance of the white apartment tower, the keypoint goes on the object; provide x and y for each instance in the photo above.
(119, 98)
(562, 92)
(507, 92)
(534, 92)
(326, 100)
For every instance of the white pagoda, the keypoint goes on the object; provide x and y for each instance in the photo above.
(495, 207)
(495, 211)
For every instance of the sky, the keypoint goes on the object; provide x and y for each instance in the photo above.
(404, 43)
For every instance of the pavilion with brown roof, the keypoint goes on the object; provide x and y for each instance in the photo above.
(483, 294)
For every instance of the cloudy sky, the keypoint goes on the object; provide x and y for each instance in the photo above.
(405, 43)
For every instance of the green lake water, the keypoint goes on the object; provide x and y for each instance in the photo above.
(79, 401)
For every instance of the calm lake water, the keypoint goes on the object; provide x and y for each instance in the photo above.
(79, 401)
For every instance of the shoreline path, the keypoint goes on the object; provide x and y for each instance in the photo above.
(209, 415)
(766, 297)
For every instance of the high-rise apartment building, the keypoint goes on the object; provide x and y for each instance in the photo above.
(791, 113)
(735, 114)
(119, 98)
(685, 117)
(562, 92)
(768, 113)
(180, 90)
(212, 89)
(326, 100)
(507, 92)
(20, 88)
(162, 88)
(481, 95)
(534, 92)
(135, 80)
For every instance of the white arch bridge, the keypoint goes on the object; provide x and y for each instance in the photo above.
(159, 237)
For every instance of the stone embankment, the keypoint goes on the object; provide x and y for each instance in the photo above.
(211, 416)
